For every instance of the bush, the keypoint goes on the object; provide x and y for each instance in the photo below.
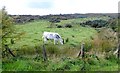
(95, 23)
(59, 26)
(105, 41)
(68, 25)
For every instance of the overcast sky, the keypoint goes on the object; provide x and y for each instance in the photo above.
(45, 7)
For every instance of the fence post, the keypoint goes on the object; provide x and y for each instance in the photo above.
(44, 53)
(81, 53)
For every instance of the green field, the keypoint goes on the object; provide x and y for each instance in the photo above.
(60, 57)
(32, 33)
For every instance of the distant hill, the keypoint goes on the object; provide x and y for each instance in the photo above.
(29, 18)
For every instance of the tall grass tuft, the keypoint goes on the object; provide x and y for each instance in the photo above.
(104, 41)
(26, 50)
(52, 49)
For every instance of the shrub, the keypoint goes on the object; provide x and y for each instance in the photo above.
(95, 23)
(68, 25)
(105, 41)
(59, 26)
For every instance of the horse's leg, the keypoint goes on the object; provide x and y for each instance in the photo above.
(57, 41)
(54, 41)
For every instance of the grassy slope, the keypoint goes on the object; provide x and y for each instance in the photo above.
(33, 33)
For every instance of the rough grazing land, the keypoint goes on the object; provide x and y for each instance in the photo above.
(28, 48)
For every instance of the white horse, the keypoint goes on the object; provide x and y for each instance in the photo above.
(52, 36)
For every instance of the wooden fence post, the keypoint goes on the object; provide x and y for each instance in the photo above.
(82, 53)
(44, 53)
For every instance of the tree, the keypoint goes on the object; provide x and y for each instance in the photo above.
(6, 28)
(6, 25)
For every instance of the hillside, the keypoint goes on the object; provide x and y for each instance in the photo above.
(75, 29)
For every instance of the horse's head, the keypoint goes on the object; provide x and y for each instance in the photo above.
(61, 41)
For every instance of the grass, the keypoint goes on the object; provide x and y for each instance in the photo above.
(31, 36)
(63, 64)
(33, 33)
(0, 66)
